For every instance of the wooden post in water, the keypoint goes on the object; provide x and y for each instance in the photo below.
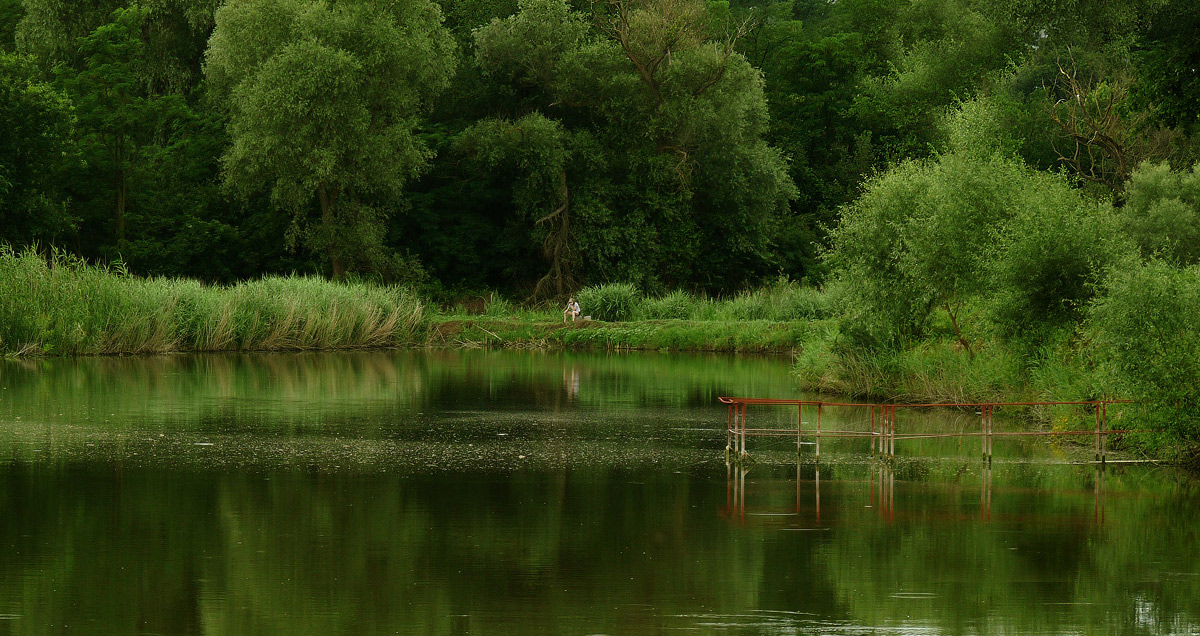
(742, 494)
(1099, 494)
(990, 429)
(1103, 432)
(888, 424)
(1097, 435)
(729, 435)
(742, 453)
(799, 426)
(882, 491)
(797, 486)
(875, 435)
(818, 431)
(891, 442)
(983, 432)
(891, 505)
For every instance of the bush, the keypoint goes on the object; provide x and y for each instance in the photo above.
(1145, 331)
(1162, 212)
(613, 302)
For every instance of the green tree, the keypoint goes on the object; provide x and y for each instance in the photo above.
(1169, 64)
(946, 51)
(174, 35)
(10, 15)
(323, 101)
(974, 225)
(120, 121)
(36, 130)
(671, 180)
(539, 150)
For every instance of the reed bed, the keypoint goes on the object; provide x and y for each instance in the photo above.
(59, 305)
(780, 302)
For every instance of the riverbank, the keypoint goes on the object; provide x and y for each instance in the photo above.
(750, 336)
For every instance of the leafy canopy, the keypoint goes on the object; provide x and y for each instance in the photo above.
(323, 102)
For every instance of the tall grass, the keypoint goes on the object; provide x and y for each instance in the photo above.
(61, 305)
(779, 302)
(613, 302)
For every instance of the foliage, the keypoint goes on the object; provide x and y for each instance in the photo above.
(323, 100)
(539, 148)
(677, 305)
(934, 371)
(174, 34)
(122, 124)
(945, 47)
(36, 145)
(11, 12)
(1145, 331)
(918, 238)
(1168, 56)
(665, 127)
(1162, 212)
(1050, 258)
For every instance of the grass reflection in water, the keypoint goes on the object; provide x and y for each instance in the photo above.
(498, 492)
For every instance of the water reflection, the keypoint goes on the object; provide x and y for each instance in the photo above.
(878, 479)
(515, 493)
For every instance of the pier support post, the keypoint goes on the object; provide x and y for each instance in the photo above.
(892, 432)
(1103, 432)
(742, 444)
(983, 449)
(818, 431)
(729, 436)
(799, 426)
(990, 430)
(874, 434)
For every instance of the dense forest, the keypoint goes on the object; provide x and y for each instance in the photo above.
(542, 146)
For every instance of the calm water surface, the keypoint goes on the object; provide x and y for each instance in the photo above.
(530, 493)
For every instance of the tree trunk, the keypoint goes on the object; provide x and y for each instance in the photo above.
(557, 247)
(327, 201)
(961, 340)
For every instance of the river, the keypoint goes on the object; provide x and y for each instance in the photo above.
(501, 492)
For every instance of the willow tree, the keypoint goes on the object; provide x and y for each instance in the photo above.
(324, 99)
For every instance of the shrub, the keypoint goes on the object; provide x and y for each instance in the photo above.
(612, 302)
(1162, 212)
(1145, 331)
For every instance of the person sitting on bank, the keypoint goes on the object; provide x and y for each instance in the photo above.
(572, 310)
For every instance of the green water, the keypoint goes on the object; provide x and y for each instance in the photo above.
(473, 492)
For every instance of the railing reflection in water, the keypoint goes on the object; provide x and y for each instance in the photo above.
(880, 494)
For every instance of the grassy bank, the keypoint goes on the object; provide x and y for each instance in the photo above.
(776, 319)
(750, 336)
(59, 305)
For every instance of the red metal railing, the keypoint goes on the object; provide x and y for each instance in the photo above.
(883, 432)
